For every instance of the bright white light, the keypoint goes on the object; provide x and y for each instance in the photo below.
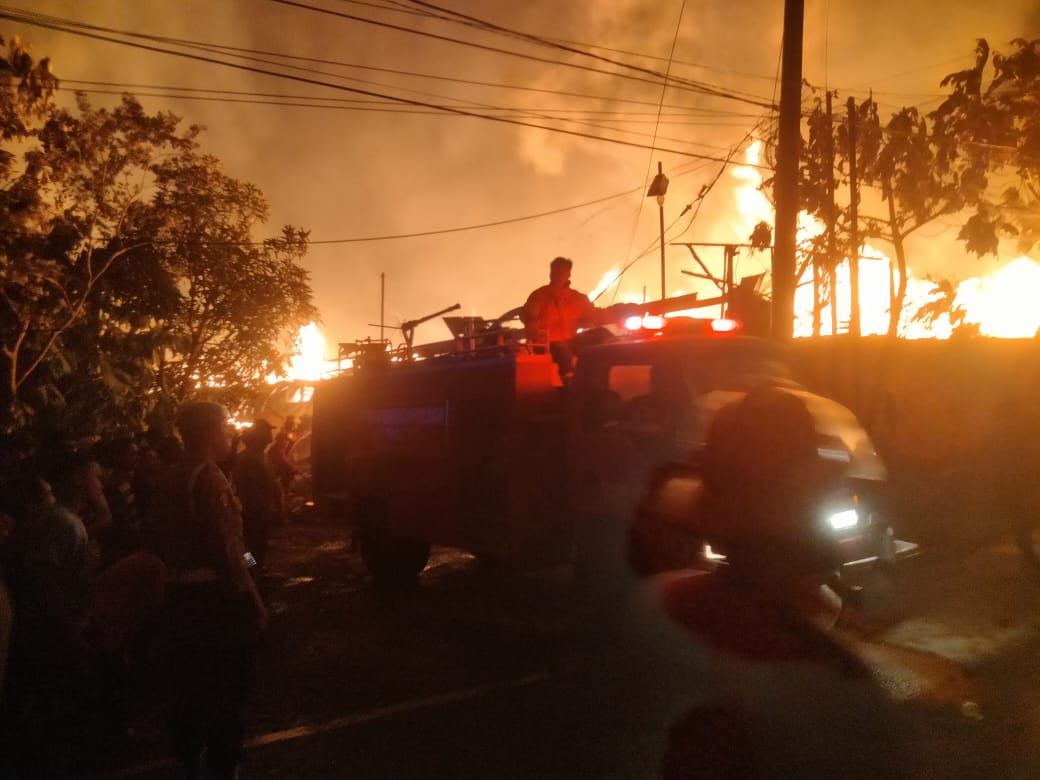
(725, 325)
(844, 519)
(711, 555)
(634, 323)
(835, 454)
(653, 322)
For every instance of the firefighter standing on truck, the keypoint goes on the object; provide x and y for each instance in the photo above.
(554, 312)
(214, 611)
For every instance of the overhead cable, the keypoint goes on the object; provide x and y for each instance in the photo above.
(654, 77)
(32, 19)
(707, 89)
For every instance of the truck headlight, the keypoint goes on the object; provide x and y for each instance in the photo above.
(839, 521)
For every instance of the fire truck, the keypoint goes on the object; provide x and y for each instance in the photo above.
(477, 444)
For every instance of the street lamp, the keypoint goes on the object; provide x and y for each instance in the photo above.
(658, 188)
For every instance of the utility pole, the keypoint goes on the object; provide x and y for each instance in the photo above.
(854, 318)
(729, 254)
(658, 189)
(785, 188)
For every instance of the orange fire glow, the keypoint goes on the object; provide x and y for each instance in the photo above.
(308, 364)
(1001, 304)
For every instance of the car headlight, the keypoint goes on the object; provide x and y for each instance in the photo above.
(847, 518)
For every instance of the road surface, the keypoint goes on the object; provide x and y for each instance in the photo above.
(484, 672)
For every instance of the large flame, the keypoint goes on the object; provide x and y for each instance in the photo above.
(1001, 304)
(308, 364)
(1004, 302)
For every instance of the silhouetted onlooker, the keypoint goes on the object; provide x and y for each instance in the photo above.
(214, 608)
(52, 683)
(280, 456)
(119, 460)
(258, 490)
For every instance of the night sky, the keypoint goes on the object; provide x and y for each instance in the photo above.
(351, 166)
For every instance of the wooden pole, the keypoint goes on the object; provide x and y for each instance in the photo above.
(785, 188)
(832, 218)
(854, 318)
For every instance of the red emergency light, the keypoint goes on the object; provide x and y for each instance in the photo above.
(649, 323)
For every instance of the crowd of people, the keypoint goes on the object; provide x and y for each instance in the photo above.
(127, 554)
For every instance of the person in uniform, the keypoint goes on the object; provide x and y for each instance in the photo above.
(555, 311)
(214, 610)
(553, 314)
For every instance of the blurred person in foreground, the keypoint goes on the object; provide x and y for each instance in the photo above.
(787, 698)
(74, 619)
(7, 527)
(214, 610)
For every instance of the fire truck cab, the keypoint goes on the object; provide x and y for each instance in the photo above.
(483, 449)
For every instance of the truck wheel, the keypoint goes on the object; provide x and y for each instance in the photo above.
(393, 562)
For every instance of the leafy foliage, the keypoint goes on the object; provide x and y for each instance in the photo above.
(977, 154)
(988, 136)
(237, 299)
(129, 278)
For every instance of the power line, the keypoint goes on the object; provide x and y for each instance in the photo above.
(461, 42)
(423, 233)
(465, 228)
(650, 157)
(535, 114)
(34, 20)
(509, 221)
(41, 18)
(684, 63)
(380, 107)
(399, 7)
(705, 190)
(678, 83)
(696, 85)
(471, 82)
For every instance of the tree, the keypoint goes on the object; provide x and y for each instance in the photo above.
(979, 151)
(27, 87)
(238, 300)
(129, 277)
(989, 141)
(83, 180)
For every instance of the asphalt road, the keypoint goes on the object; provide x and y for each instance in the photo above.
(483, 672)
